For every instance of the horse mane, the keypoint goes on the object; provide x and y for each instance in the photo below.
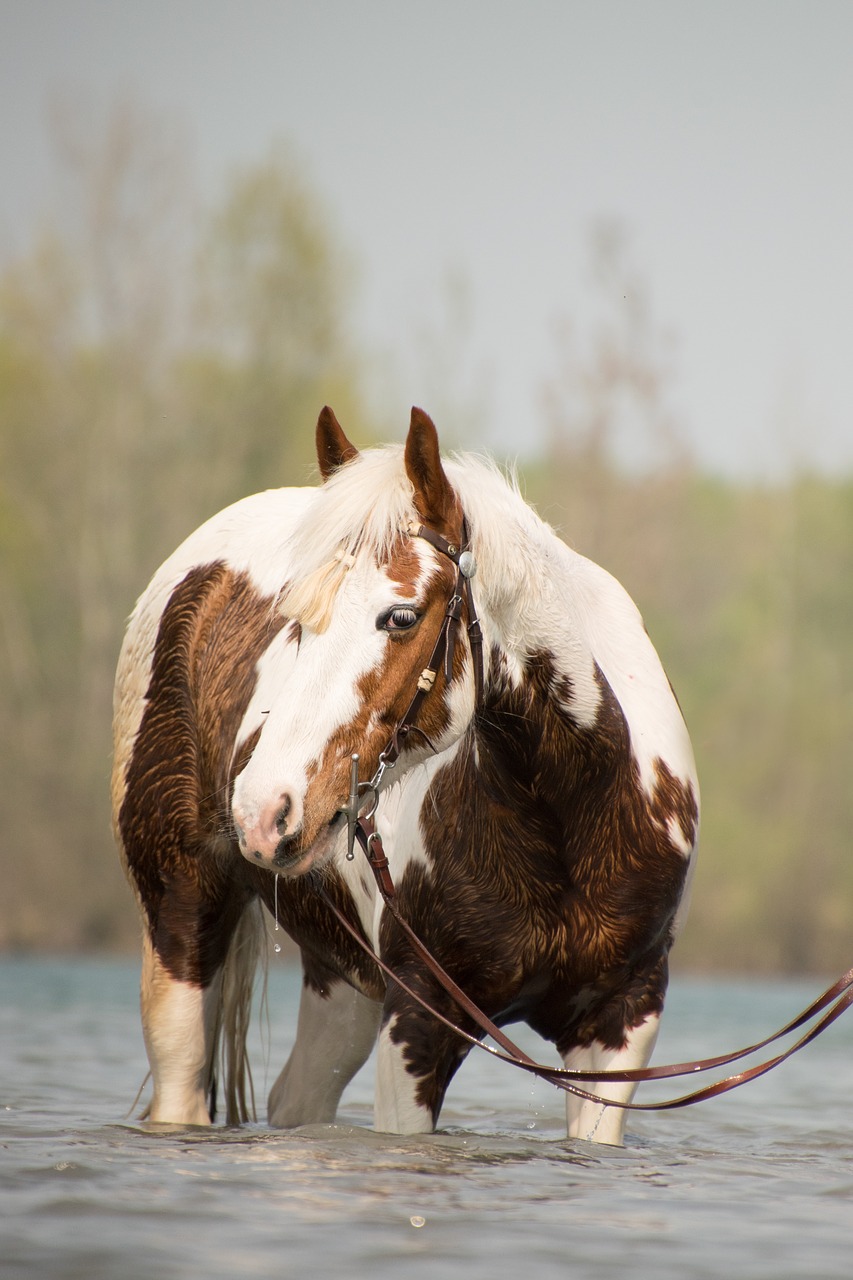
(361, 510)
(368, 504)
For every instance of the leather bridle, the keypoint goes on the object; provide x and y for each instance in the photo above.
(362, 828)
(365, 795)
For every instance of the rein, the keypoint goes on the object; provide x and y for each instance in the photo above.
(361, 827)
(836, 1000)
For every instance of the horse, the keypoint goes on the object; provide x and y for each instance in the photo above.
(533, 783)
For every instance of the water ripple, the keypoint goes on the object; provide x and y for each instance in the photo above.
(754, 1185)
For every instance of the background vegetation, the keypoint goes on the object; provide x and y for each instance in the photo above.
(159, 359)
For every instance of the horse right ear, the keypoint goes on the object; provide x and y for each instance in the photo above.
(333, 448)
(435, 501)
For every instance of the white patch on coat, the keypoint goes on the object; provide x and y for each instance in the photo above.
(398, 819)
(590, 1120)
(250, 536)
(178, 1020)
(396, 1108)
(611, 624)
(534, 593)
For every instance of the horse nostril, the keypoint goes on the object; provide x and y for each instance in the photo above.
(283, 814)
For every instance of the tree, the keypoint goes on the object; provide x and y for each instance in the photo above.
(271, 340)
(149, 373)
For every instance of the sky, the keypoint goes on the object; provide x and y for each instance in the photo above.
(465, 150)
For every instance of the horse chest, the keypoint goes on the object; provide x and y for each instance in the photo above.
(539, 921)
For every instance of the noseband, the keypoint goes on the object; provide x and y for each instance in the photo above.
(361, 826)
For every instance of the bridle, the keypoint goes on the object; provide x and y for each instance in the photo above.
(360, 812)
(360, 809)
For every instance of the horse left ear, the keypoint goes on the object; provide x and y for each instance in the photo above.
(333, 448)
(435, 501)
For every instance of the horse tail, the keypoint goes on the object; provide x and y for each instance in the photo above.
(235, 1012)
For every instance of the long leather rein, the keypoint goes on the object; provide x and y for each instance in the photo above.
(830, 1005)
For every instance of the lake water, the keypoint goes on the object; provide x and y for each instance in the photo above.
(756, 1184)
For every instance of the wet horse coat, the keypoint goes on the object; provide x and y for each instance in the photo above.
(541, 842)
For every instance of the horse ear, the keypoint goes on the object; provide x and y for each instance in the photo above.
(333, 448)
(435, 501)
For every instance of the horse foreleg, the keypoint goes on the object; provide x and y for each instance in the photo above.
(398, 1107)
(335, 1034)
(179, 1022)
(591, 1120)
(198, 963)
(416, 1060)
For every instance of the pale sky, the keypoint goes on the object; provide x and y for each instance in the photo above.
(481, 140)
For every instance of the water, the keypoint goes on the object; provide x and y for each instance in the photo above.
(756, 1184)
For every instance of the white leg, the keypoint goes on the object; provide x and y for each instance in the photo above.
(397, 1109)
(335, 1034)
(178, 1023)
(601, 1123)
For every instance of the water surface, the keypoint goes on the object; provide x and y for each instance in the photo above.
(756, 1184)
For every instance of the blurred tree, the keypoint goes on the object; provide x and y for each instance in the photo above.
(271, 341)
(617, 471)
(149, 373)
(747, 594)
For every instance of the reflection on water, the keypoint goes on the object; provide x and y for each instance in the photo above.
(756, 1184)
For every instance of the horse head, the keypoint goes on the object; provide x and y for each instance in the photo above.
(376, 566)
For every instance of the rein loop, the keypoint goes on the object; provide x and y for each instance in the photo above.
(835, 1000)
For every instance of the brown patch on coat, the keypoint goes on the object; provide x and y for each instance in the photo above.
(328, 951)
(553, 882)
(174, 821)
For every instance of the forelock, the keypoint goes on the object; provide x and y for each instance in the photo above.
(363, 509)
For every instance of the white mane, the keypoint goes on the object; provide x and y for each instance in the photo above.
(363, 509)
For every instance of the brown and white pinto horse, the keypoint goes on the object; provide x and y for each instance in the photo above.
(541, 839)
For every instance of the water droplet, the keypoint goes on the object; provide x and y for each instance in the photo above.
(417, 1221)
(277, 947)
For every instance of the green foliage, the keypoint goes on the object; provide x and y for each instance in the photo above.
(147, 378)
(153, 368)
(747, 593)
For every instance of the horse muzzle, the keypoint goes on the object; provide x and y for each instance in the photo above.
(270, 836)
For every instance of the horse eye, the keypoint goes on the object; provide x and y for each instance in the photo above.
(400, 618)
